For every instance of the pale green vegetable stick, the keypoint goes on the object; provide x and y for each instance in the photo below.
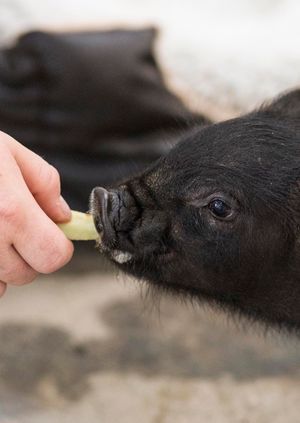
(80, 228)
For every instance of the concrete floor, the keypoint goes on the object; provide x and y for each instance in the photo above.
(87, 345)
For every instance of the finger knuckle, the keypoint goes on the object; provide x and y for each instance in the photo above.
(8, 275)
(49, 175)
(57, 256)
(25, 278)
(18, 275)
(9, 210)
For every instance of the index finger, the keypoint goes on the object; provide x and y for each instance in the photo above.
(41, 178)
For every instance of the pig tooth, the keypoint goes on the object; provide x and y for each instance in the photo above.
(121, 257)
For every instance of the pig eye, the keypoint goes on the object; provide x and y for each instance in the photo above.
(219, 208)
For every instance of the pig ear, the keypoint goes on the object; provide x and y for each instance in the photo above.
(285, 106)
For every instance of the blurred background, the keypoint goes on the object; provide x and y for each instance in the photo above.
(101, 89)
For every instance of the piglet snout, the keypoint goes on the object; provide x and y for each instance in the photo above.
(104, 207)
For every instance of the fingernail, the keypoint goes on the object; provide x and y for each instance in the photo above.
(64, 206)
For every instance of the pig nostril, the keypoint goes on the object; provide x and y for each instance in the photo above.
(100, 196)
(101, 207)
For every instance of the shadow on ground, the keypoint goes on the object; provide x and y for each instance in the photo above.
(183, 345)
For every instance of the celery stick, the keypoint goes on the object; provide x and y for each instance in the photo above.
(80, 228)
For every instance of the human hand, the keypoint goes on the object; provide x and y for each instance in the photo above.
(30, 203)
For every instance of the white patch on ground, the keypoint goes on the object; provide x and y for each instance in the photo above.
(135, 362)
(223, 55)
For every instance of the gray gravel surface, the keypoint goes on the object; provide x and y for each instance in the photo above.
(87, 345)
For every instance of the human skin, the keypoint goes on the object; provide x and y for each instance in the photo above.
(30, 203)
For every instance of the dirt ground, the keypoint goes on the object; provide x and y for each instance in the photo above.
(87, 345)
